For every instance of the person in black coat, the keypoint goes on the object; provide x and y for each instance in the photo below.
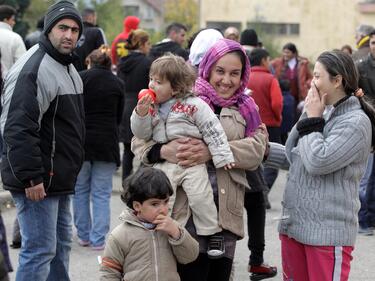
(103, 99)
(92, 38)
(33, 38)
(176, 36)
(134, 70)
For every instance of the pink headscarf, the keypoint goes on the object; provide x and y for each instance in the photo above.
(205, 91)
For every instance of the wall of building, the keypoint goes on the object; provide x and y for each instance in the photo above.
(150, 18)
(323, 24)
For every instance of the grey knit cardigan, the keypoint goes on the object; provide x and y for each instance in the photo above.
(320, 203)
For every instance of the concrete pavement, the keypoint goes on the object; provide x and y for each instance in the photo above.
(84, 265)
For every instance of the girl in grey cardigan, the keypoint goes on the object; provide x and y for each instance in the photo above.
(326, 153)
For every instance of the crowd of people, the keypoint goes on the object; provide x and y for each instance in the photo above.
(204, 143)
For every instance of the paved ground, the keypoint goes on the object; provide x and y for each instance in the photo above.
(84, 265)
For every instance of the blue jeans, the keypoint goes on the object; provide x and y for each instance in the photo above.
(366, 214)
(362, 214)
(46, 230)
(94, 181)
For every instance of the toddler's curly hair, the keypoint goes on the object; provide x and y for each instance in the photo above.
(180, 74)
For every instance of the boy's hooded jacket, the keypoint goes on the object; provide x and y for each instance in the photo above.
(136, 253)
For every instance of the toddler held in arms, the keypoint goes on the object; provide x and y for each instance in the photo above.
(175, 112)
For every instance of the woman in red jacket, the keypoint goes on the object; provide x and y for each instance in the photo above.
(294, 68)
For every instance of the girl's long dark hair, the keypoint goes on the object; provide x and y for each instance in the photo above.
(340, 63)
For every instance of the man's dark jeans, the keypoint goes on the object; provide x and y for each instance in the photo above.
(366, 214)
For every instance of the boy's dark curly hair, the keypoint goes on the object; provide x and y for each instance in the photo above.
(145, 184)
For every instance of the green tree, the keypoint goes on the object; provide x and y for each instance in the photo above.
(182, 11)
(36, 11)
(110, 17)
(110, 14)
(12, 3)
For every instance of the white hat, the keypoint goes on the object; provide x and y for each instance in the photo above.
(204, 40)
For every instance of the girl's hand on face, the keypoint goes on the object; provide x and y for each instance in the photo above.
(229, 166)
(143, 105)
(167, 225)
(314, 103)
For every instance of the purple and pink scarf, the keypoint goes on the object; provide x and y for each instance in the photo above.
(206, 92)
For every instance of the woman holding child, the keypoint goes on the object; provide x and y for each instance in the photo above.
(223, 76)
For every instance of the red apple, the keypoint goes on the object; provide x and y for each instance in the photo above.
(145, 92)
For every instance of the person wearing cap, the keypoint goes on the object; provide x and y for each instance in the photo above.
(249, 40)
(42, 124)
(203, 41)
(118, 49)
(362, 40)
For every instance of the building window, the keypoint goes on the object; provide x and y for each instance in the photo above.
(131, 11)
(294, 28)
(366, 7)
(275, 28)
(222, 25)
(148, 14)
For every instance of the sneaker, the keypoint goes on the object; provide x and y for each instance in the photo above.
(98, 248)
(263, 271)
(83, 243)
(365, 231)
(216, 247)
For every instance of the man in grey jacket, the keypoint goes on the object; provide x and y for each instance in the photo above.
(43, 129)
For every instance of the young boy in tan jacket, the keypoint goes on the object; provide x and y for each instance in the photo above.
(148, 244)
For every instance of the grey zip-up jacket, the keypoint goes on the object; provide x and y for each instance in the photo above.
(187, 117)
(42, 122)
(321, 202)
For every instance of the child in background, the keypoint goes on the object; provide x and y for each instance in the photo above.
(288, 110)
(177, 113)
(147, 245)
